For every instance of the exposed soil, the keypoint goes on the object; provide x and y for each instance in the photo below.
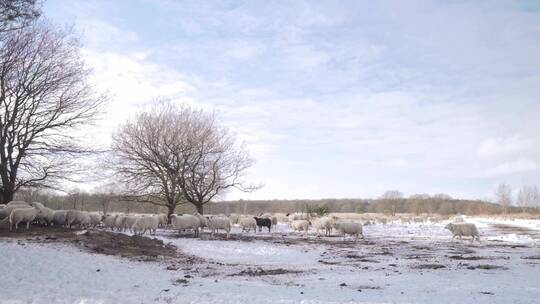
(429, 266)
(487, 267)
(97, 241)
(254, 272)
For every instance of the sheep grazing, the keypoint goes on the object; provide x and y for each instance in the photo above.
(109, 221)
(129, 221)
(263, 222)
(234, 219)
(19, 215)
(219, 223)
(350, 228)
(6, 211)
(45, 216)
(325, 223)
(463, 229)
(120, 222)
(95, 219)
(300, 225)
(59, 218)
(247, 223)
(163, 220)
(143, 224)
(186, 221)
(79, 218)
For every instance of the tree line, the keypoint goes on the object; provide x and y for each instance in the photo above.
(414, 204)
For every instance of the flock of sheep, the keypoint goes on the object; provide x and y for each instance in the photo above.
(16, 212)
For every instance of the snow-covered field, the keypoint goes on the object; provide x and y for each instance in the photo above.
(414, 263)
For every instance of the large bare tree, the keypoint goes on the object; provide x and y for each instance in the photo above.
(44, 99)
(16, 14)
(170, 155)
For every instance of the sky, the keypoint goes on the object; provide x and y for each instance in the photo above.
(334, 99)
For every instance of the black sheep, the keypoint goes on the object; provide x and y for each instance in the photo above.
(263, 222)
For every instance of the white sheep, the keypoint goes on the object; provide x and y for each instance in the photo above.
(6, 211)
(186, 221)
(235, 219)
(120, 223)
(142, 224)
(95, 219)
(109, 220)
(59, 217)
(129, 220)
(45, 216)
(325, 223)
(458, 219)
(18, 203)
(351, 228)
(22, 215)
(37, 205)
(79, 218)
(163, 220)
(247, 223)
(274, 220)
(297, 216)
(300, 225)
(463, 229)
(219, 223)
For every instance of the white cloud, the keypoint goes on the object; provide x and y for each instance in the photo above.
(514, 167)
(504, 146)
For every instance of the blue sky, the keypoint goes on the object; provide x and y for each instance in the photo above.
(336, 98)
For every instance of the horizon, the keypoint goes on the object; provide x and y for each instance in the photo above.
(335, 99)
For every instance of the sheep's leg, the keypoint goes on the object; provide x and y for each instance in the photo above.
(28, 225)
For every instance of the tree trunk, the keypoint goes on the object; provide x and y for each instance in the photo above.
(170, 211)
(7, 195)
(199, 207)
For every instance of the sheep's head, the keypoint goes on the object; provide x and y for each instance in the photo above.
(449, 226)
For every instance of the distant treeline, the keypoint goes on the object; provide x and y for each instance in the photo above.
(111, 203)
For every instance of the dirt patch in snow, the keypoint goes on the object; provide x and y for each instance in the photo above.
(97, 241)
(429, 266)
(255, 272)
(487, 267)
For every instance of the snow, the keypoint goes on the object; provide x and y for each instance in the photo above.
(52, 273)
(61, 274)
(247, 253)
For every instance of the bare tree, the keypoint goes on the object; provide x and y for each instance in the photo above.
(16, 14)
(442, 197)
(44, 99)
(420, 203)
(528, 196)
(171, 155)
(504, 196)
(392, 197)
